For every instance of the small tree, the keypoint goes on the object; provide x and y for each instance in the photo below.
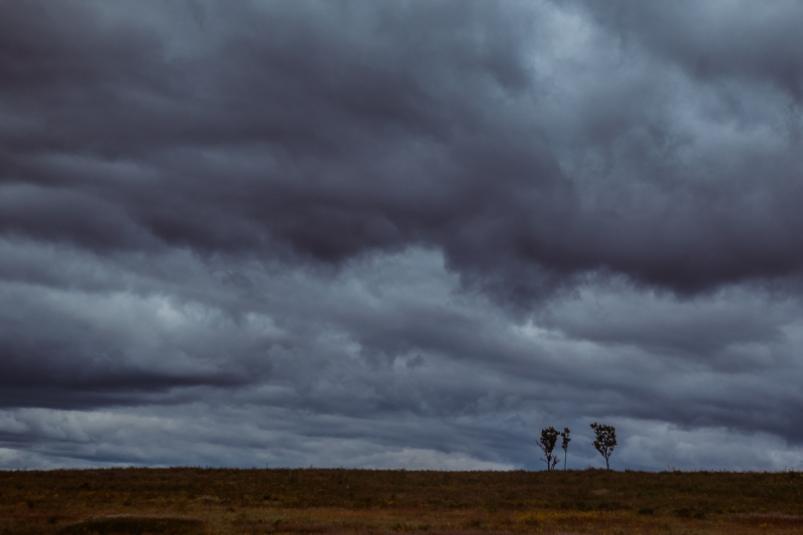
(605, 441)
(547, 442)
(565, 444)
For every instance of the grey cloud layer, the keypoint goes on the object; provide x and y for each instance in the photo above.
(402, 233)
(332, 130)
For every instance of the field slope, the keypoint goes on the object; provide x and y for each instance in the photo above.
(212, 501)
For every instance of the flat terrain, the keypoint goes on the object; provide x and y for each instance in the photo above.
(362, 501)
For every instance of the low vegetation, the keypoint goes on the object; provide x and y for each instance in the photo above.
(217, 501)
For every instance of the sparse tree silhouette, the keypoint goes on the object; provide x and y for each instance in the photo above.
(547, 442)
(565, 444)
(605, 441)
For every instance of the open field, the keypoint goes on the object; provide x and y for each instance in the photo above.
(210, 501)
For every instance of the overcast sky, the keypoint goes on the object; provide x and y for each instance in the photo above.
(400, 234)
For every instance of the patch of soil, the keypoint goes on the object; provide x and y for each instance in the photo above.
(135, 525)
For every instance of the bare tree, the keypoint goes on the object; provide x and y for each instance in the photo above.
(547, 442)
(605, 441)
(565, 444)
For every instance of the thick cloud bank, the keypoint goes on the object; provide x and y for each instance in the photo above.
(401, 234)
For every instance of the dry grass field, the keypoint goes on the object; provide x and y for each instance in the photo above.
(211, 501)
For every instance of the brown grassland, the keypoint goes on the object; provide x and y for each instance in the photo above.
(223, 501)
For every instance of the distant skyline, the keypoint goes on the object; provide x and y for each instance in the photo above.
(400, 234)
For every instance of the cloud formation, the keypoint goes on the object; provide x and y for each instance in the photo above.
(399, 234)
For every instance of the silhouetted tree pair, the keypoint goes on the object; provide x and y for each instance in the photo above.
(604, 443)
(547, 442)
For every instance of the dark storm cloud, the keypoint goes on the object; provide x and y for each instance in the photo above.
(716, 41)
(397, 234)
(331, 130)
